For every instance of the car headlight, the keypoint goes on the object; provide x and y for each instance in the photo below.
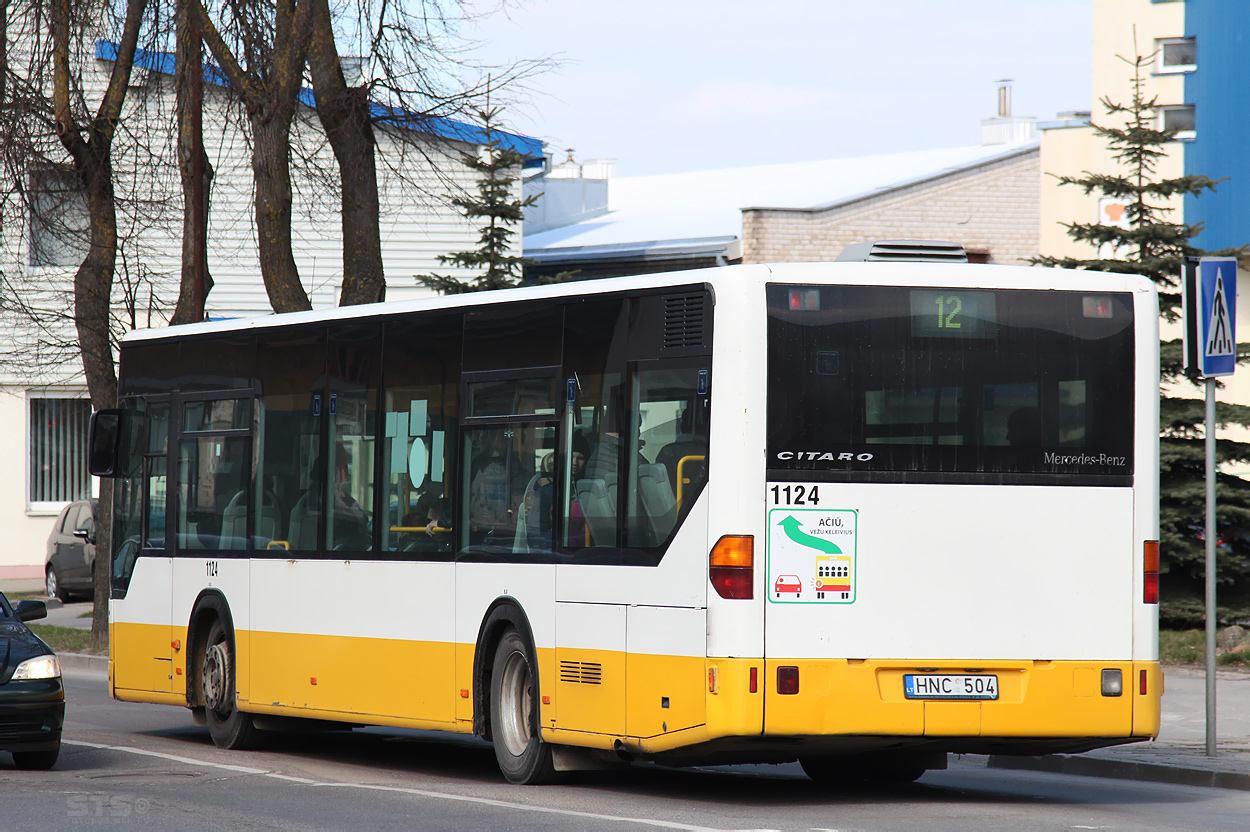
(40, 667)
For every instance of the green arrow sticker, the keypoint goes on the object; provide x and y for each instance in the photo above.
(795, 533)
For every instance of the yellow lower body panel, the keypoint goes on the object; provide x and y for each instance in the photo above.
(1035, 699)
(650, 704)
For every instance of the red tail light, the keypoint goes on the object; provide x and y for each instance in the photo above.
(1150, 570)
(787, 680)
(732, 566)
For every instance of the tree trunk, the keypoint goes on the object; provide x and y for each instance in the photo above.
(91, 148)
(196, 171)
(271, 170)
(344, 114)
(93, 287)
(270, 97)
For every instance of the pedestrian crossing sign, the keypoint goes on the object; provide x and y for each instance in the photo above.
(1210, 301)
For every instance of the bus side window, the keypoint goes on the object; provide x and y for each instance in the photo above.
(289, 472)
(418, 432)
(667, 452)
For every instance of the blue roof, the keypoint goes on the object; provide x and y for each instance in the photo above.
(445, 128)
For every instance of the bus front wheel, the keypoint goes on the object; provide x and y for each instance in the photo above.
(524, 758)
(228, 726)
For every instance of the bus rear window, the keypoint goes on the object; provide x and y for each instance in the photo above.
(913, 384)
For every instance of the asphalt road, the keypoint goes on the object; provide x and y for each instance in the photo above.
(145, 766)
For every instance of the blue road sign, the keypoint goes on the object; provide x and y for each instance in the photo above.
(1214, 344)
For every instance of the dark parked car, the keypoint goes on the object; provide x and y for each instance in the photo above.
(71, 551)
(32, 696)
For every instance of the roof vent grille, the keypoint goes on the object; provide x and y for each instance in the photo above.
(905, 251)
(683, 321)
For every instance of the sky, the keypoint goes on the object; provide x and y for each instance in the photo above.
(669, 86)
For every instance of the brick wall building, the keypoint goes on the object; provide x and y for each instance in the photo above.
(990, 207)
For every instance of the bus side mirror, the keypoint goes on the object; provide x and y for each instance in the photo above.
(105, 443)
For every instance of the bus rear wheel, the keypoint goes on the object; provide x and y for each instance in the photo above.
(524, 758)
(228, 726)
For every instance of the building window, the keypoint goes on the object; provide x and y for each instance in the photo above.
(58, 451)
(1176, 55)
(59, 227)
(1179, 117)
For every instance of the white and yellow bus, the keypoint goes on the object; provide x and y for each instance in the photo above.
(562, 517)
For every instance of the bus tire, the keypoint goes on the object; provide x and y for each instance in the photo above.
(524, 758)
(228, 726)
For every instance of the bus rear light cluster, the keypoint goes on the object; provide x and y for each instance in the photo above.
(732, 566)
(1150, 576)
(788, 680)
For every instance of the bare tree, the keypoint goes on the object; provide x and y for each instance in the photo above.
(272, 40)
(345, 115)
(89, 142)
(416, 77)
(193, 165)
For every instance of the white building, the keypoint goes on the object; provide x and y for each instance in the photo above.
(43, 400)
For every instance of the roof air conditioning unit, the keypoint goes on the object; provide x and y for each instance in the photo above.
(904, 251)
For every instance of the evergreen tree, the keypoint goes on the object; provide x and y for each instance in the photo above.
(1152, 246)
(496, 204)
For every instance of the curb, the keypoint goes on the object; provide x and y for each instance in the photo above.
(1179, 775)
(83, 661)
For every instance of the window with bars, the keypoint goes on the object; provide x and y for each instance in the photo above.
(58, 450)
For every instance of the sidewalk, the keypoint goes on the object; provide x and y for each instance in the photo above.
(1179, 755)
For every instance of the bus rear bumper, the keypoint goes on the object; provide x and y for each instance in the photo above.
(1036, 700)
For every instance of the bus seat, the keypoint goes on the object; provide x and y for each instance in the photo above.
(234, 522)
(658, 502)
(303, 532)
(597, 499)
(684, 445)
(528, 518)
(268, 524)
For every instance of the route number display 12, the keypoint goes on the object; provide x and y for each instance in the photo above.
(952, 313)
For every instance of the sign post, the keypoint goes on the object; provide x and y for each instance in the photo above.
(1209, 296)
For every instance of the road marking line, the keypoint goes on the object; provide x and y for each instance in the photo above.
(163, 756)
(303, 781)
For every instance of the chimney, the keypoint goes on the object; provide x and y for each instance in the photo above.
(1005, 128)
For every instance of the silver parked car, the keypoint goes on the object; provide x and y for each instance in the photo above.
(71, 551)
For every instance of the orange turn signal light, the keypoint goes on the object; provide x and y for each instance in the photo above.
(732, 566)
(734, 550)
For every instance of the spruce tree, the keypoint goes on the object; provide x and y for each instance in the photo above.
(495, 203)
(1153, 246)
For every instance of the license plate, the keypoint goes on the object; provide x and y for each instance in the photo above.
(950, 686)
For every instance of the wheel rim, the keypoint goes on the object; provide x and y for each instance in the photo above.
(515, 703)
(51, 583)
(216, 660)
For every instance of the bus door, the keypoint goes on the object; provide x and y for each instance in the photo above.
(140, 631)
(211, 507)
